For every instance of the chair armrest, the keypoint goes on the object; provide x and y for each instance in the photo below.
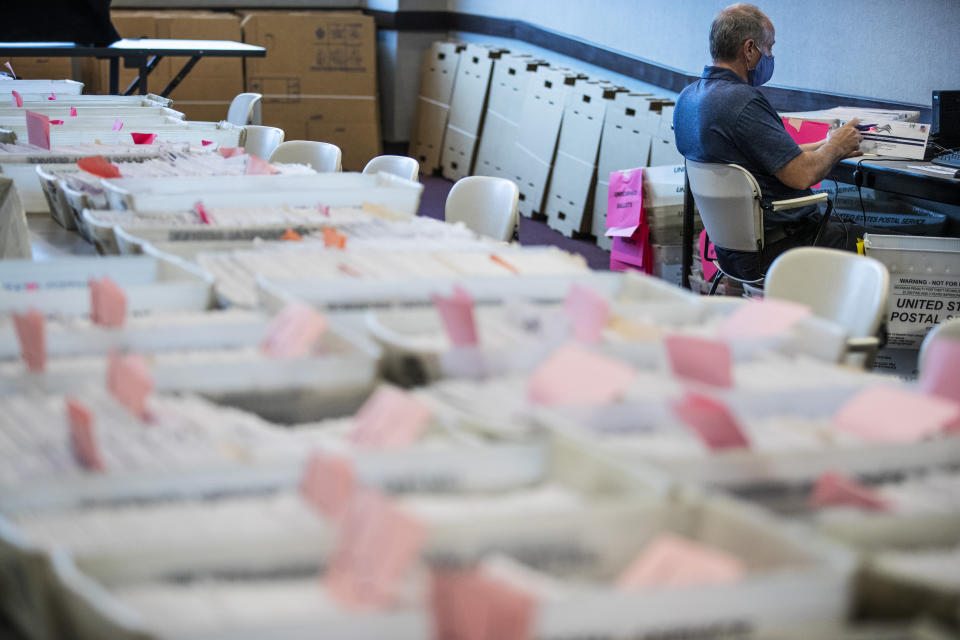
(802, 201)
(863, 345)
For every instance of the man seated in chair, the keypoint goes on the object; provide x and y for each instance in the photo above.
(725, 118)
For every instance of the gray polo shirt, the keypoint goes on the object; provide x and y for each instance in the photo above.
(721, 118)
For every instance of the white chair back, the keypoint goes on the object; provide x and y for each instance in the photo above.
(485, 204)
(728, 198)
(947, 330)
(322, 156)
(245, 109)
(401, 166)
(841, 286)
(261, 141)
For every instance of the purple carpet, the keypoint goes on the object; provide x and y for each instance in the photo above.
(532, 232)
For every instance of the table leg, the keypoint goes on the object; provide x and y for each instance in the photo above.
(180, 76)
(114, 76)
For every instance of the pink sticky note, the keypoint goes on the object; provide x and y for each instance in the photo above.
(940, 375)
(108, 303)
(624, 202)
(389, 419)
(206, 143)
(129, 382)
(143, 138)
(700, 359)
(73, 112)
(588, 311)
(708, 253)
(634, 248)
(10, 68)
(205, 217)
(889, 414)
(38, 129)
(293, 332)
(378, 544)
(257, 167)
(83, 436)
(805, 131)
(456, 311)
(117, 125)
(53, 96)
(17, 99)
(99, 166)
(56, 122)
(673, 561)
(763, 318)
(711, 421)
(328, 484)
(229, 152)
(836, 489)
(32, 333)
(473, 605)
(574, 375)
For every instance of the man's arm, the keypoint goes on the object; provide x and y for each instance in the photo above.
(816, 159)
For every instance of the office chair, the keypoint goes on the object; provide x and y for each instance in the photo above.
(245, 109)
(322, 156)
(401, 166)
(487, 206)
(261, 141)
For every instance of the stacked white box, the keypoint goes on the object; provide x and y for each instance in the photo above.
(437, 77)
(467, 107)
(663, 150)
(508, 88)
(536, 143)
(569, 204)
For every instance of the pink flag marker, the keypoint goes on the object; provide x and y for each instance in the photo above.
(99, 166)
(700, 359)
(836, 489)
(129, 382)
(83, 436)
(588, 311)
(328, 484)
(38, 129)
(390, 419)
(143, 138)
(456, 311)
(763, 318)
(53, 96)
(229, 152)
(10, 68)
(56, 122)
(712, 422)
(73, 112)
(17, 98)
(940, 375)
(117, 125)
(206, 143)
(202, 212)
(672, 561)
(108, 303)
(32, 333)
(257, 167)
(474, 604)
(574, 375)
(293, 332)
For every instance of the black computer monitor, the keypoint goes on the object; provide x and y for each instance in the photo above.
(945, 123)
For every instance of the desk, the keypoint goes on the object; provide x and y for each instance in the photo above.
(889, 175)
(143, 54)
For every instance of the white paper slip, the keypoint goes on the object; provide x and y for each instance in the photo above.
(897, 139)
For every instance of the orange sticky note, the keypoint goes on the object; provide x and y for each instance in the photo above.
(377, 545)
(291, 235)
(257, 167)
(672, 561)
(108, 303)
(328, 484)
(333, 238)
(574, 375)
(229, 152)
(472, 605)
(889, 414)
(38, 129)
(143, 138)
(389, 419)
(456, 312)
(99, 166)
(129, 382)
(940, 375)
(700, 359)
(836, 489)
(763, 318)
(712, 421)
(17, 99)
(73, 112)
(32, 332)
(588, 311)
(117, 125)
(83, 437)
(293, 332)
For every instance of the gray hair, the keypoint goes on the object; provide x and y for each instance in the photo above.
(735, 25)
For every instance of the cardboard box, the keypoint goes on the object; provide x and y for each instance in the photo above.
(42, 68)
(569, 201)
(351, 123)
(319, 53)
(663, 150)
(203, 110)
(438, 75)
(467, 107)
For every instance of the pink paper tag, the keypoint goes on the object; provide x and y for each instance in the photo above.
(805, 131)
(574, 375)
(257, 167)
(377, 545)
(108, 303)
(32, 332)
(625, 201)
(712, 422)
(836, 489)
(473, 605)
(56, 122)
(673, 561)
(73, 112)
(588, 311)
(940, 375)
(389, 419)
(700, 359)
(10, 68)
(456, 311)
(83, 436)
(38, 129)
(17, 99)
(206, 143)
(763, 318)
(129, 382)
(203, 213)
(53, 96)
(99, 166)
(328, 484)
(634, 249)
(293, 332)
(708, 253)
(143, 138)
(889, 414)
(117, 125)
(229, 152)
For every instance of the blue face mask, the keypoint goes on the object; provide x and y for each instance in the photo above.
(761, 74)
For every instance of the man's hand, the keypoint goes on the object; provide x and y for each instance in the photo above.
(811, 166)
(846, 139)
